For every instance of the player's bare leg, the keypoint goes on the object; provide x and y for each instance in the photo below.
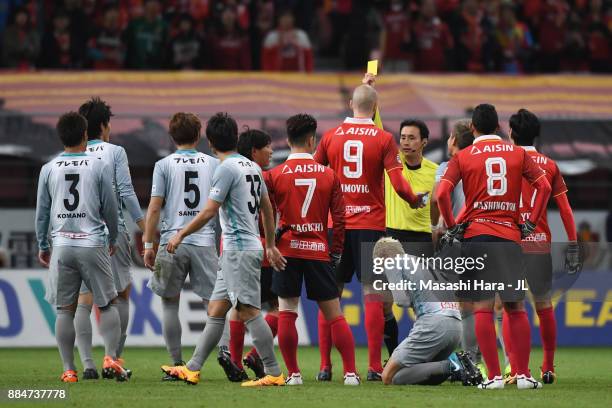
(548, 334)
(65, 337)
(83, 330)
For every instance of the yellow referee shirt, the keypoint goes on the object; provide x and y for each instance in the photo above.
(399, 215)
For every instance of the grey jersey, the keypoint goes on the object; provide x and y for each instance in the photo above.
(116, 159)
(424, 301)
(183, 179)
(457, 197)
(238, 185)
(76, 199)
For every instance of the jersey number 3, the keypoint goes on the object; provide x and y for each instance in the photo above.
(72, 189)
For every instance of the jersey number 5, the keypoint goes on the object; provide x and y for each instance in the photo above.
(353, 154)
(311, 184)
(189, 186)
(497, 183)
(255, 192)
(72, 189)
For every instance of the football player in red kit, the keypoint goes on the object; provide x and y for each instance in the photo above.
(304, 193)
(359, 152)
(524, 128)
(492, 172)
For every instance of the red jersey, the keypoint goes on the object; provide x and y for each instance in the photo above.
(304, 192)
(539, 240)
(492, 172)
(359, 152)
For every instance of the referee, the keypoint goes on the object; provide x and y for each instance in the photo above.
(412, 227)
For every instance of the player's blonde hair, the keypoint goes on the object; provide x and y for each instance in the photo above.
(387, 247)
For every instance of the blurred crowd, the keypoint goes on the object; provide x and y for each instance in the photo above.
(520, 36)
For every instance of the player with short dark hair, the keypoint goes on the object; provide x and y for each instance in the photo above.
(255, 145)
(238, 189)
(305, 192)
(181, 182)
(98, 114)
(76, 202)
(524, 129)
(492, 173)
(360, 152)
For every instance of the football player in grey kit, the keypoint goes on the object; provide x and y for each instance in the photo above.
(76, 202)
(239, 191)
(181, 182)
(98, 115)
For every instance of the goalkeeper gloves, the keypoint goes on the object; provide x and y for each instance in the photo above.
(456, 232)
(526, 229)
(573, 263)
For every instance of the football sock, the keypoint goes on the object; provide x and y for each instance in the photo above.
(207, 342)
(343, 340)
(110, 328)
(469, 343)
(508, 341)
(288, 340)
(225, 336)
(325, 341)
(264, 343)
(499, 317)
(123, 306)
(272, 321)
(487, 342)
(521, 340)
(548, 332)
(391, 332)
(171, 329)
(423, 374)
(236, 342)
(82, 327)
(65, 335)
(375, 326)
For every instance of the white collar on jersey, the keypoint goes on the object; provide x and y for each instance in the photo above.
(529, 148)
(296, 156)
(485, 138)
(359, 121)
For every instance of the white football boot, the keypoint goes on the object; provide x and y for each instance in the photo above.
(497, 383)
(294, 379)
(351, 379)
(527, 383)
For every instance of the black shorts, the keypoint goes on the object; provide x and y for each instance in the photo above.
(502, 262)
(318, 275)
(414, 243)
(539, 273)
(357, 255)
(267, 294)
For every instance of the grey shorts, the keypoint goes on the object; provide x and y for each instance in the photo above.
(71, 266)
(199, 262)
(121, 262)
(432, 338)
(238, 278)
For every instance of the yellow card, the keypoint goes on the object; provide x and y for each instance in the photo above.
(373, 67)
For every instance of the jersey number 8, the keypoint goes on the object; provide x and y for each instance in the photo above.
(496, 177)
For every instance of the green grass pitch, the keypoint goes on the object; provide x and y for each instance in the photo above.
(585, 380)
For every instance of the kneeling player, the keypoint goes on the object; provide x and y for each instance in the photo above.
(426, 356)
(304, 192)
(181, 181)
(238, 190)
(76, 198)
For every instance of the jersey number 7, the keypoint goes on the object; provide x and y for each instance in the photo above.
(311, 184)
